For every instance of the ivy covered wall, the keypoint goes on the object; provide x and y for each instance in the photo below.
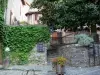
(22, 39)
(3, 4)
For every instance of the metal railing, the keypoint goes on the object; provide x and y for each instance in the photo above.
(69, 38)
(94, 54)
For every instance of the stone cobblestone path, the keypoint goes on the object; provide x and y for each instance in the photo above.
(46, 70)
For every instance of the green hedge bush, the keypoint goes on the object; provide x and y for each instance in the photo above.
(22, 39)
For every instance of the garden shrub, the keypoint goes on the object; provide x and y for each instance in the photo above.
(83, 39)
(22, 39)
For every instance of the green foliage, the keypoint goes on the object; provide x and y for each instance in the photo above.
(68, 13)
(47, 11)
(22, 39)
(83, 39)
(1, 25)
(18, 57)
(3, 4)
(24, 23)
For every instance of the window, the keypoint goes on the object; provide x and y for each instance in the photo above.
(36, 16)
(11, 17)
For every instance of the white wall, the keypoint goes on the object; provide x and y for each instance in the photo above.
(29, 1)
(31, 19)
(7, 14)
(15, 9)
(16, 6)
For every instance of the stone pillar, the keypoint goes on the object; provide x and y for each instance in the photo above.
(60, 37)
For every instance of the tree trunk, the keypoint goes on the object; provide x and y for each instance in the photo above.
(75, 29)
(93, 29)
(94, 33)
(81, 27)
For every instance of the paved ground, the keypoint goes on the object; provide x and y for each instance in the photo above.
(46, 70)
(83, 71)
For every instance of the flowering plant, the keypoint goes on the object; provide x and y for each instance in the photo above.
(59, 60)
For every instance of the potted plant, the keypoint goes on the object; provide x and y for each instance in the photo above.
(59, 63)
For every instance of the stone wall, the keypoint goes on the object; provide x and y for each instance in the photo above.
(36, 57)
(52, 54)
(78, 56)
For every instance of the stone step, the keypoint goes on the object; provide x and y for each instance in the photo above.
(51, 73)
(22, 70)
(21, 73)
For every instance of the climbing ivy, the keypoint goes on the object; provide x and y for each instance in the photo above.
(22, 39)
(3, 5)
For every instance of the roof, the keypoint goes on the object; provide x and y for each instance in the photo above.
(33, 11)
(30, 13)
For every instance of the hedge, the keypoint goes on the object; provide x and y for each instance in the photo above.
(22, 39)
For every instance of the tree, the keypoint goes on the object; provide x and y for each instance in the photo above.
(69, 13)
(47, 9)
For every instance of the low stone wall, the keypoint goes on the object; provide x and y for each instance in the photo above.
(77, 56)
(36, 57)
(52, 54)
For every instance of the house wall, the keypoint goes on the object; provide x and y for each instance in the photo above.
(18, 13)
(18, 10)
(33, 19)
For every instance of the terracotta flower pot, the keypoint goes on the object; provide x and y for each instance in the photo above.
(54, 36)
